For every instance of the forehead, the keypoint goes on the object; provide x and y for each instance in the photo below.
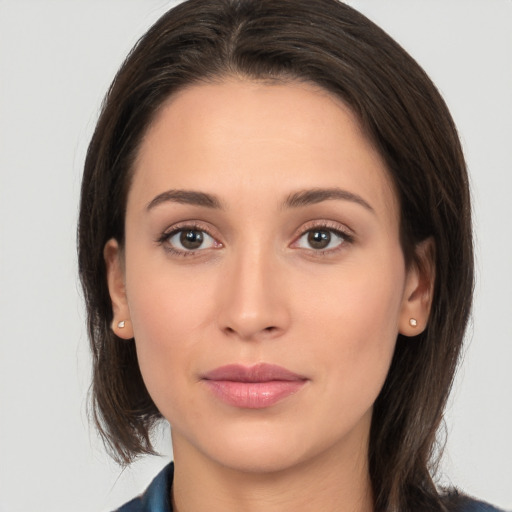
(244, 136)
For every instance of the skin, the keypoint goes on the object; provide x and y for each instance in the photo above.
(257, 291)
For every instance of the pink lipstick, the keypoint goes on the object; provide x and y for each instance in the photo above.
(254, 387)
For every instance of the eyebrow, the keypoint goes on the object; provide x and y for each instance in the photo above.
(297, 199)
(318, 195)
(186, 197)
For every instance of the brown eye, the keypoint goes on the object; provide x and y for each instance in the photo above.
(188, 240)
(319, 239)
(191, 239)
(322, 239)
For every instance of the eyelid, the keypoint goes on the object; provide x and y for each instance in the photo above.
(326, 224)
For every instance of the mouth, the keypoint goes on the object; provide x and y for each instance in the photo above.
(253, 387)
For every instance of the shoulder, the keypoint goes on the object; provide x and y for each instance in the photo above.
(156, 497)
(478, 506)
(460, 503)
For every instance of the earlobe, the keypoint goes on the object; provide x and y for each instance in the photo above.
(419, 290)
(121, 324)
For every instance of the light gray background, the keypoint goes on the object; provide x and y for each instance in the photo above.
(57, 59)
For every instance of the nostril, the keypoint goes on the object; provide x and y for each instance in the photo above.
(270, 330)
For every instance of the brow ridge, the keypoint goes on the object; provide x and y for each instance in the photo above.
(297, 199)
(191, 197)
(307, 197)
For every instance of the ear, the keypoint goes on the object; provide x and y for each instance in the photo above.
(121, 324)
(419, 290)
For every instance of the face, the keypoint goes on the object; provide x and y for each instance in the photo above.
(262, 275)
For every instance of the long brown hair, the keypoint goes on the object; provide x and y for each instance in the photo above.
(329, 44)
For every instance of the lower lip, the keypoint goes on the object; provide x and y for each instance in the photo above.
(254, 395)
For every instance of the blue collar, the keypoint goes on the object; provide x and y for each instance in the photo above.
(157, 496)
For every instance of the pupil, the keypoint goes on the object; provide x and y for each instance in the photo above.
(319, 239)
(191, 239)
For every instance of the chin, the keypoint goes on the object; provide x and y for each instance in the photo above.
(269, 459)
(261, 448)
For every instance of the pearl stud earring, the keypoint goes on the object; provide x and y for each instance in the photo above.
(413, 322)
(120, 324)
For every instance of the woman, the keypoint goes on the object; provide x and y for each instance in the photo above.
(275, 247)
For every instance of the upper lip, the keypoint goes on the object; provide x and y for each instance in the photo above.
(261, 372)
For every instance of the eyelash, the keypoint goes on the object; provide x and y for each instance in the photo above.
(332, 228)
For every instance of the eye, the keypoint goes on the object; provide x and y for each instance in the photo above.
(322, 239)
(187, 240)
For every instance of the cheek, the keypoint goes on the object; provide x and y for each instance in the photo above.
(165, 299)
(362, 301)
(168, 315)
(162, 312)
(356, 325)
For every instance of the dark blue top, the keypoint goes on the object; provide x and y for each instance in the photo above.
(156, 498)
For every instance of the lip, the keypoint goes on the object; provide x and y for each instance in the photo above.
(253, 387)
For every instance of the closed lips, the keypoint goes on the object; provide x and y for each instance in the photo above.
(254, 387)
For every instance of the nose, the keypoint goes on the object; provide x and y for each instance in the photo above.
(253, 300)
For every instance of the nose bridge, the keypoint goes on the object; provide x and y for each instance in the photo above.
(253, 304)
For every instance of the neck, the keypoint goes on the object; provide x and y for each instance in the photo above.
(328, 482)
